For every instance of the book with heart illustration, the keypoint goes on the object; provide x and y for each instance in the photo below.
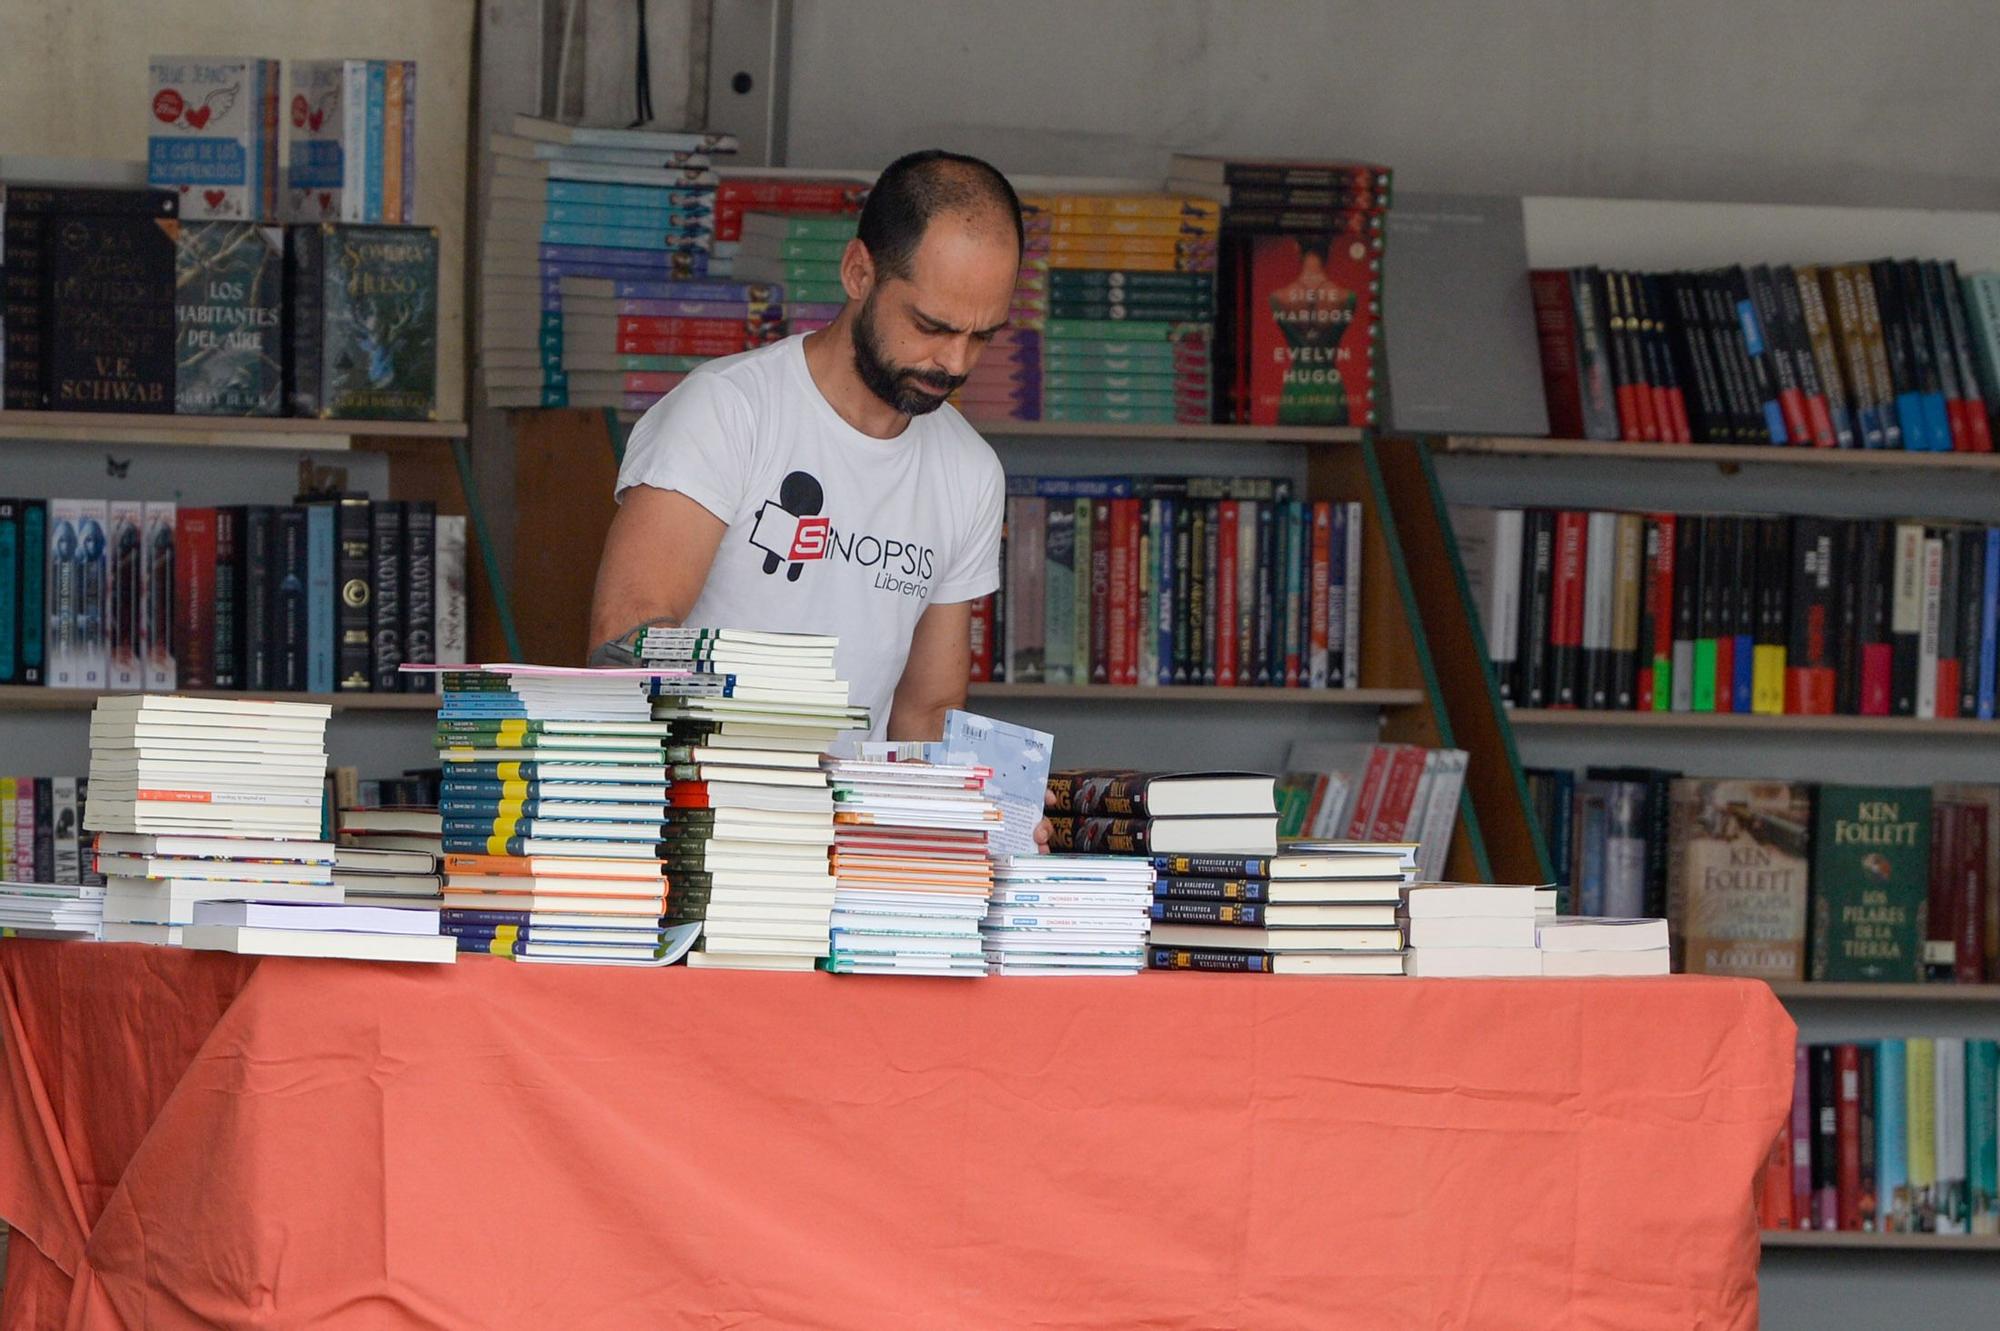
(352, 129)
(212, 136)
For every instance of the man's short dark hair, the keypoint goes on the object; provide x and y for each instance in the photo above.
(919, 186)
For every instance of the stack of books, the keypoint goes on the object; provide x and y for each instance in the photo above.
(1573, 945)
(294, 929)
(781, 192)
(352, 141)
(1068, 915)
(911, 873)
(388, 856)
(1473, 929)
(800, 255)
(749, 716)
(634, 207)
(1115, 812)
(154, 881)
(553, 801)
(1320, 908)
(50, 910)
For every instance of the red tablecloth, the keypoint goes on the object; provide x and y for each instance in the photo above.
(194, 1140)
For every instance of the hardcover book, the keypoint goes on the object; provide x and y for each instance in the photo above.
(1871, 866)
(1738, 876)
(1309, 306)
(110, 342)
(228, 321)
(362, 339)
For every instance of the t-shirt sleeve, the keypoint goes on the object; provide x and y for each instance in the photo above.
(975, 568)
(696, 440)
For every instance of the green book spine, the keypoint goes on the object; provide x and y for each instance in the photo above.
(1871, 875)
(1059, 592)
(1982, 1133)
(837, 226)
(1704, 674)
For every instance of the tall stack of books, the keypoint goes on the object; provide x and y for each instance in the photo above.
(1122, 812)
(1299, 306)
(200, 802)
(749, 716)
(1459, 930)
(50, 910)
(1068, 915)
(553, 801)
(911, 873)
(800, 254)
(635, 207)
(1320, 908)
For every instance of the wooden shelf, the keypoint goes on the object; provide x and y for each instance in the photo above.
(1202, 693)
(28, 698)
(282, 432)
(1554, 719)
(1838, 992)
(1221, 434)
(1732, 454)
(1830, 1238)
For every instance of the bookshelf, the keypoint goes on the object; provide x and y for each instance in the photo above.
(280, 432)
(1851, 1240)
(1719, 454)
(1817, 991)
(30, 698)
(1202, 695)
(1953, 727)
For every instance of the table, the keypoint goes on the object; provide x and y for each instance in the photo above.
(199, 1140)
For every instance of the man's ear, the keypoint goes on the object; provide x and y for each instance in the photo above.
(857, 270)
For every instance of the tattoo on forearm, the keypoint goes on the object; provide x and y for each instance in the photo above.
(622, 651)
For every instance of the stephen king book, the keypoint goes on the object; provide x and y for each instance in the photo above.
(1737, 876)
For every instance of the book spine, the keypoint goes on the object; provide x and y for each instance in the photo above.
(1927, 632)
(1950, 566)
(1742, 604)
(1225, 593)
(230, 545)
(1350, 601)
(1826, 360)
(1989, 653)
(124, 601)
(1535, 637)
(1669, 397)
(319, 597)
(305, 312)
(1401, 777)
(288, 600)
(1964, 344)
(1925, 279)
(1555, 329)
(1247, 581)
(1627, 583)
(409, 214)
(1763, 382)
(1207, 959)
(1103, 541)
(1264, 606)
(355, 586)
(1772, 585)
(1122, 628)
(1599, 571)
(1598, 382)
(157, 665)
(1826, 1139)
(1898, 337)
(1970, 890)
(1968, 605)
(392, 141)
(258, 600)
(1843, 314)
(420, 593)
(1847, 1132)
(1656, 689)
(1566, 610)
(1789, 307)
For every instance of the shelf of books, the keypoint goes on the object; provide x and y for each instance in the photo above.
(1861, 992)
(1940, 727)
(1202, 693)
(1169, 433)
(1731, 454)
(29, 698)
(1808, 1238)
(282, 432)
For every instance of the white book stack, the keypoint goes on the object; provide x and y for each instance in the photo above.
(911, 876)
(552, 805)
(50, 910)
(300, 929)
(1592, 945)
(751, 823)
(1068, 915)
(1462, 930)
(200, 799)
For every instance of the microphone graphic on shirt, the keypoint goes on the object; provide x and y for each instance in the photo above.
(789, 529)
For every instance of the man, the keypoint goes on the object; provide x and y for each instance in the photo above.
(822, 485)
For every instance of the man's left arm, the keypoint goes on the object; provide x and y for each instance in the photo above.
(935, 675)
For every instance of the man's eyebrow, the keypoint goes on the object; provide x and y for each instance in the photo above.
(942, 326)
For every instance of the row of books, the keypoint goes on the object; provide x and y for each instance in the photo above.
(41, 832)
(323, 596)
(1173, 580)
(1299, 288)
(1892, 1136)
(114, 303)
(1786, 880)
(1373, 792)
(349, 128)
(1889, 354)
(1723, 612)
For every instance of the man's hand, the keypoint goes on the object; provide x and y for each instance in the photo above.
(1045, 829)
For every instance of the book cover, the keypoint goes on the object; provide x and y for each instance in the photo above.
(1871, 872)
(110, 342)
(207, 136)
(371, 333)
(228, 319)
(385, 607)
(1738, 875)
(1312, 304)
(124, 594)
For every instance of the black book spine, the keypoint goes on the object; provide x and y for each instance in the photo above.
(1904, 373)
(1211, 625)
(110, 344)
(1170, 887)
(1960, 331)
(24, 311)
(44, 830)
(1708, 421)
(230, 545)
(1906, 614)
(1851, 544)
(1969, 607)
(1798, 345)
(1874, 562)
(305, 319)
(386, 608)
(1531, 688)
(34, 638)
(259, 577)
(1825, 1101)
(354, 590)
(419, 592)
(1926, 280)
(1774, 581)
(1768, 376)
(1687, 607)
(1183, 636)
(1206, 959)
(13, 566)
(1625, 365)
(288, 602)
(1669, 394)
(1725, 332)
(1712, 609)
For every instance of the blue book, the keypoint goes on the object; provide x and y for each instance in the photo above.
(630, 196)
(1988, 647)
(1937, 424)
(1892, 1160)
(1910, 414)
(377, 91)
(320, 645)
(1593, 842)
(652, 219)
(655, 263)
(1561, 839)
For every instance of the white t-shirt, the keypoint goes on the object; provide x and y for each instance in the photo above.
(830, 530)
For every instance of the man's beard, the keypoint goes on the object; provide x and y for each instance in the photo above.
(896, 386)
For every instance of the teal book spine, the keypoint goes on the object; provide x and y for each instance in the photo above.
(319, 598)
(1982, 1134)
(378, 71)
(1892, 1159)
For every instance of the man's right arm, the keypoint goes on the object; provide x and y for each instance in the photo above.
(656, 558)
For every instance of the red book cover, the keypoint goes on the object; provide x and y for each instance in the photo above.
(1100, 591)
(1566, 608)
(1949, 680)
(1725, 672)
(1847, 1133)
(1941, 923)
(1971, 889)
(1123, 628)
(1555, 326)
(194, 596)
(1312, 323)
(1223, 590)
(1792, 403)
(1877, 664)
(1820, 417)
(1368, 794)
(1399, 794)
(706, 345)
(1959, 419)
(1982, 434)
(672, 326)
(1321, 566)
(982, 640)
